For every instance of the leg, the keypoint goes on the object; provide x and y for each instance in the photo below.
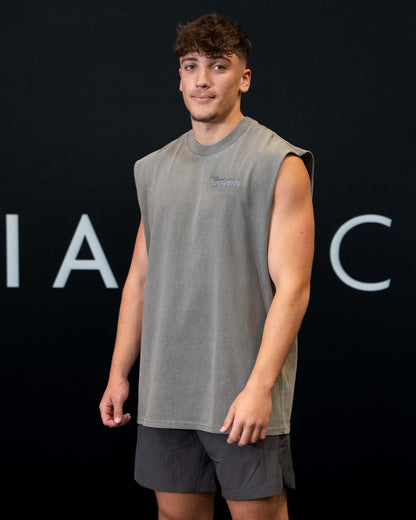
(271, 508)
(185, 506)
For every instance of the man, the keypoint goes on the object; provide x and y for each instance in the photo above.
(224, 249)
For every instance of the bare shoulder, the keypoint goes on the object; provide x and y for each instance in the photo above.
(293, 180)
(293, 168)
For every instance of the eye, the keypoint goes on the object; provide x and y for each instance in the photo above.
(190, 66)
(219, 66)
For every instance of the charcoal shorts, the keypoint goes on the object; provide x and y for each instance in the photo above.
(190, 461)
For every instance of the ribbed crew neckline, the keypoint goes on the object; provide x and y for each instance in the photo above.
(209, 149)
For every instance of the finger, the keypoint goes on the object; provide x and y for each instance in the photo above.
(228, 422)
(125, 419)
(245, 435)
(106, 411)
(235, 433)
(255, 435)
(118, 412)
(108, 422)
(263, 433)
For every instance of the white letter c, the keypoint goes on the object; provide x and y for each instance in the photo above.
(336, 245)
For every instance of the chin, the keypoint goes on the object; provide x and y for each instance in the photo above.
(203, 118)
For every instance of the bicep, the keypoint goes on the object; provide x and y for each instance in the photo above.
(138, 265)
(291, 232)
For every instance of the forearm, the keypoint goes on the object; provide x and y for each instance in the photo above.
(126, 350)
(281, 327)
(129, 327)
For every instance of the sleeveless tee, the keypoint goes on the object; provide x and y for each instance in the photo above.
(206, 213)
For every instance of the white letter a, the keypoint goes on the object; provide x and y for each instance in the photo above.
(99, 262)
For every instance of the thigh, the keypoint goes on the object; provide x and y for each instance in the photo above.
(185, 506)
(271, 508)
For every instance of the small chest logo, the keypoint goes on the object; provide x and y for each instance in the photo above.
(223, 183)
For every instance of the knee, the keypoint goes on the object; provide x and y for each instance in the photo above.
(184, 506)
(270, 508)
(171, 514)
(166, 515)
(168, 511)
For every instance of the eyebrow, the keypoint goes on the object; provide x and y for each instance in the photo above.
(212, 58)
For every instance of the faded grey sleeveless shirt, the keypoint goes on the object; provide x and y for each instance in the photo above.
(206, 212)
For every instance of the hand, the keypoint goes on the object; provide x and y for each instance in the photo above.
(111, 405)
(248, 416)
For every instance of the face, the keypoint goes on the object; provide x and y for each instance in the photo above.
(212, 85)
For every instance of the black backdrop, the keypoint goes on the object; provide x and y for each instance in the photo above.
(90, 86)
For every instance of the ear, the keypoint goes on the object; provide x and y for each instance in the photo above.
(245, 80)
(180, 82)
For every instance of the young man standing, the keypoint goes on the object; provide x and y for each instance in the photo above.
(224, 250)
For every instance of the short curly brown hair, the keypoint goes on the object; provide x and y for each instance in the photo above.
(212, 34)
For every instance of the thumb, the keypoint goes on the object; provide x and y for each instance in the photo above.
(118, 411)
(228, 420)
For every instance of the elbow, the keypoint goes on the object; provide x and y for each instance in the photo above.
(301, 294)
(305, 294)
(133, 289)
(296, 293)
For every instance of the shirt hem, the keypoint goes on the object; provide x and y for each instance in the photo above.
(185, 425)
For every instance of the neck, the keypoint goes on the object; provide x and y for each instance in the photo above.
(212, 132)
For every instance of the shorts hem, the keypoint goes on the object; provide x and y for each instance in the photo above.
(168, 489)
(254, 493)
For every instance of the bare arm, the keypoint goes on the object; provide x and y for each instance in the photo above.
(127, 344)
(290, 254)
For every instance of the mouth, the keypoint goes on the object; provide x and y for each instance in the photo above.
(202, 98)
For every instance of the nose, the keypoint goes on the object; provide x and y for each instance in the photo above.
(202, 78)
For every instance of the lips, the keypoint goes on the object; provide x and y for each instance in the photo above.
(202, 98)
